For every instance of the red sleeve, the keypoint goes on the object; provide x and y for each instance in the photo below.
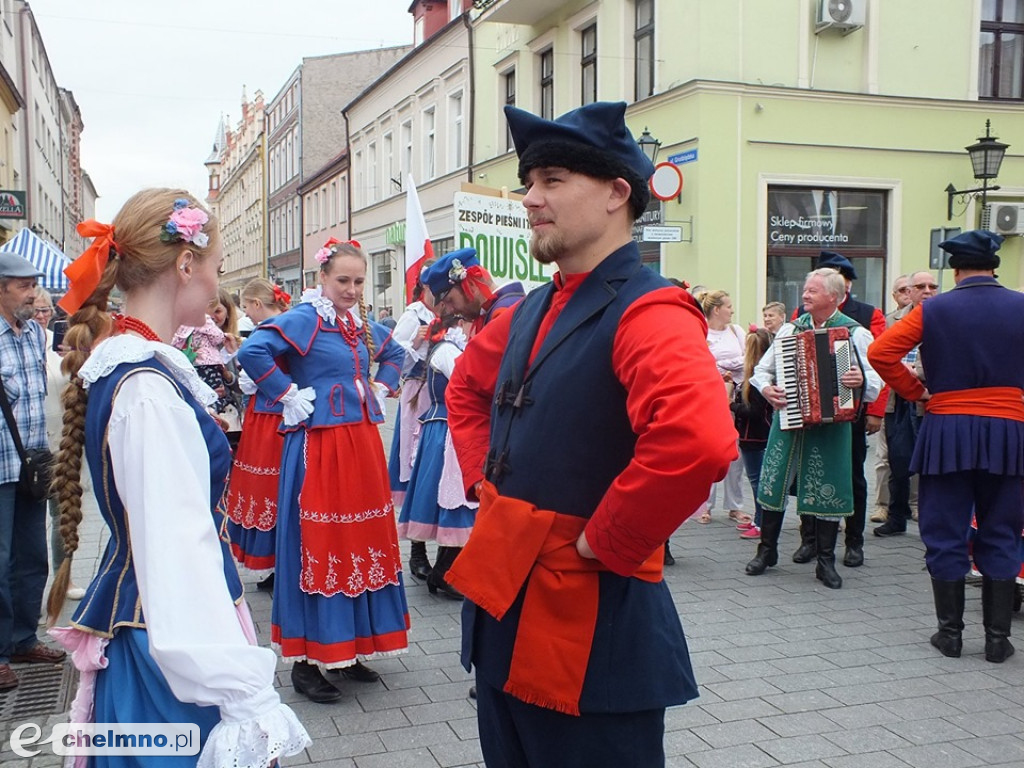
(685, 435)
(877, 408)
(469, 395)
(887, 352)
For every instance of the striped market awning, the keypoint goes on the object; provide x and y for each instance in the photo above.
(45, 257)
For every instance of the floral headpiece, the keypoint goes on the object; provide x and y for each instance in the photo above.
(186, 224)
(457, 273)
(331, 247)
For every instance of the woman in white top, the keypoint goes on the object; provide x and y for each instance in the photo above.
(726, 342)
(163, 634)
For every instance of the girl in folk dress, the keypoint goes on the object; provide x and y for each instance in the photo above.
(410, 333)
(163, 634)
(255, 472)
(435, 507)
(338, 591)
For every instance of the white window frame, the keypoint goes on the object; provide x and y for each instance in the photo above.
(428, 136)
(456, 130)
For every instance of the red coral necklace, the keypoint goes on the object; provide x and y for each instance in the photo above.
(125, 323)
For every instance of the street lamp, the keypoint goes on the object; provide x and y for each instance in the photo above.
(648, 145)
(986, 157)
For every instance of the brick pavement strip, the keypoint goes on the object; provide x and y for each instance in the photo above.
(792, 674)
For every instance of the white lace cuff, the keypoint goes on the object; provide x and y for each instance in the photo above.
(254, 742)
(246, 384)
(297, 404)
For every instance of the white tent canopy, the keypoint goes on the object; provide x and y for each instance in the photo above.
(45, 257)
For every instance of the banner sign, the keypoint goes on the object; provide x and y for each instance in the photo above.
(12, 204)
(500, 231)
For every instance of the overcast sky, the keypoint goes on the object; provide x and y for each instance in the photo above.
(152, 78)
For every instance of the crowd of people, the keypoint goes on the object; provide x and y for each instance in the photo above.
(548, 444)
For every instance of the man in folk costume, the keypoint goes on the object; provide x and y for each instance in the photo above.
(465, 288)
(590, 421)
(970, 449)
(818, 456)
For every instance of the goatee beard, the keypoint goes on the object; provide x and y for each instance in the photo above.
(25, 313)
(546, 250)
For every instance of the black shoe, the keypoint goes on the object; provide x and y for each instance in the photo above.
(854, 557)
(419, 565)
(669, 560)
(436, 581)
(360, 673)
(307, 680)
(472, 692)
(267, 585)
(889, 529)
(805, 553)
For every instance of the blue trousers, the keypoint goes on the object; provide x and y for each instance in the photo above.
(752, 461)
(23, 569)
(514, 734)
(901, 428)
(946, 503)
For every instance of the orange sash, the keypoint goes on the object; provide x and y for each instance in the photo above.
(997, 402)
(512, 543)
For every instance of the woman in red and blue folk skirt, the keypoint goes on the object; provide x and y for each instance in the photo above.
(338, 591)
(256, 469)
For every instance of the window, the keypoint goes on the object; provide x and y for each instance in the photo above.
(323, 209)
(428, 144)
(643, 41)
(387, 163)
(405, 167)
(1001, 66)
(547, 84)
(371, 172)
(334, 203)
(360, 195)
(510, 101)
(588, 64)
(455, 131)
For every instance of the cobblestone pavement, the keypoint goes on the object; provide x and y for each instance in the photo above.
(791, 673)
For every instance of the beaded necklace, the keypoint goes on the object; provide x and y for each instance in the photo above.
(125, 323)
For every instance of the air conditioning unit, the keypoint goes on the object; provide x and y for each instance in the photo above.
(1004, 218)
(844, 15)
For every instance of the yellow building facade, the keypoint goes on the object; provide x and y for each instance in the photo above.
(794, 132)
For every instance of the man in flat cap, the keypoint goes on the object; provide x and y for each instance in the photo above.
(590, 421)
(970, 449)
(868, 422)
(23, 562)
(462, 286)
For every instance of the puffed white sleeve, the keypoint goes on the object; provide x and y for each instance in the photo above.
(161, 470)
(872, 381)
(443, 359)
(404, 333)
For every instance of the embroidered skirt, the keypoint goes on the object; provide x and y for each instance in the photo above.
(435, 507)
(252, 491)
(338, 594)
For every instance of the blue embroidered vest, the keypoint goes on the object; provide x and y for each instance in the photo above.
(437, 385)
(560, 435)
(112, 599)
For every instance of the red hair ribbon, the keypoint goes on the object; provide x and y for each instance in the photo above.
(86, 271)
(280, 296)
(479, 279)
(336, 241)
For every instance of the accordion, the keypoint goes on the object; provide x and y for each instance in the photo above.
(807, 368)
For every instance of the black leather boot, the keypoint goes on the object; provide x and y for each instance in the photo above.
(668, 559)
(435, 581)
(996, 612)
(826, 532)
(419, 565)
(949, 610)
(807, 549)
(307, 680)
(768, 549)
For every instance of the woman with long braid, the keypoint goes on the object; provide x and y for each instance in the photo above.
(162, 634)
(338, 592)
(256, 470)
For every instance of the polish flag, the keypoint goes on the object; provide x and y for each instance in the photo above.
(418, 249)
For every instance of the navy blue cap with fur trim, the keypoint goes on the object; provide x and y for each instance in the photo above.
(838, 262)
(570, 142)
(975, 249)
(445, 273)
